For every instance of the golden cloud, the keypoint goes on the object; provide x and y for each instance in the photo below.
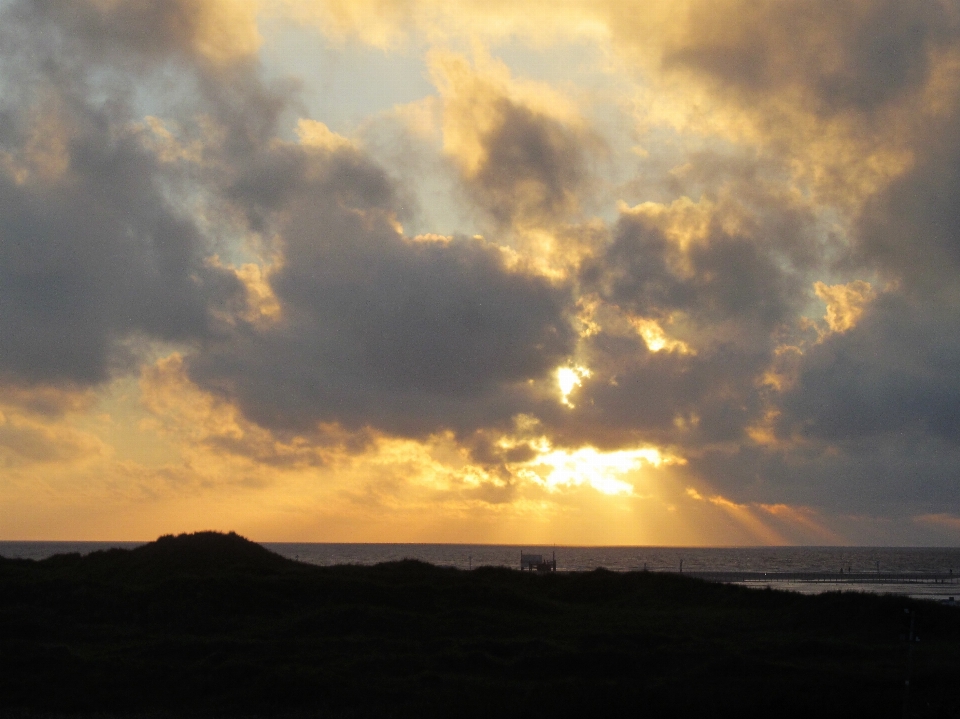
(312, 133)
(201, 422)
(731, 70)
(845, 303)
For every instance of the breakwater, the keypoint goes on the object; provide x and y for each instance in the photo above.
(828, 577)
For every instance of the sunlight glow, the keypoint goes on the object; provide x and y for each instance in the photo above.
(558, 468)
(656, 339)
(569, 378)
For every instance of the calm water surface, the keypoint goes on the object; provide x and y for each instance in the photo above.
(858, 560)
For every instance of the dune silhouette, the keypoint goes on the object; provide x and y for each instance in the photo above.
(211, 624)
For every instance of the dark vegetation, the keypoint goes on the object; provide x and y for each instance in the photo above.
(211, 625)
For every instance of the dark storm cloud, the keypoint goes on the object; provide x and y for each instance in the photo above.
(713, 394)
(377, 330)
(856, 55)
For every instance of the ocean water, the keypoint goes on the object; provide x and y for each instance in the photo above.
(855, 561)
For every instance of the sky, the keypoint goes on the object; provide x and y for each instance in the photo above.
(584, 272)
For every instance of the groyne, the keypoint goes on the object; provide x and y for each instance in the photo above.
(829, 577)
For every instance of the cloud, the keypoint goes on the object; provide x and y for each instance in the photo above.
(835, 92)
(94, 256)
(204, 425)
(96, 246)
(855, 56)
(845, 303)
(911, 230)
(942, 520)
(895, 372)
(713, 279)
(25, 441)
(687, 257)
(768, 292)
(521, 147)
(377, 329)
(215, 31)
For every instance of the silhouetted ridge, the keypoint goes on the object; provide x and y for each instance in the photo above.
(199, 554)
(212, 625)
(209, 550)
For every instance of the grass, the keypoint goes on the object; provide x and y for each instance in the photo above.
(212, 625)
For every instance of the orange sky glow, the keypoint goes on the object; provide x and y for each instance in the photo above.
(664, 272)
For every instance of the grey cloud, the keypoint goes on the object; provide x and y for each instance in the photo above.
(377, 330)
(892, 476)
(731, 295)
(857, 55)
(911, 230)
(94, 256)
(731, 278)
(94, 248)
(131, 49)
(896, 373)
(278, 178)
(742, 282)
(533, 167)
(381, 331)
(141, 30)
(635, 396)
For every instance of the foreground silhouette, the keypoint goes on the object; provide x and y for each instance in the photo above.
(212, 625)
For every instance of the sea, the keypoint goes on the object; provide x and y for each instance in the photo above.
(892, 570)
